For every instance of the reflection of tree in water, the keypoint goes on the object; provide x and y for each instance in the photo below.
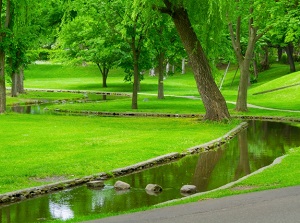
(243, 167)
(228, 163)
(26, 211)
(250, 150)
(5, 216)
(206, 163)
(21, 109)
(267, 140)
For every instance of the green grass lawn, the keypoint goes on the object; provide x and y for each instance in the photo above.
(72, 146)
(88, 78)
(39, 146)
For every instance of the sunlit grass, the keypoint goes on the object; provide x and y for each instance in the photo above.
(72, 146)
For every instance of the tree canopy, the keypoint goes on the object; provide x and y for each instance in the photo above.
(140, 34)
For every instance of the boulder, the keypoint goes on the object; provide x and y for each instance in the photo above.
(188, 189)
(120, 185)
(153, 188)
(95, 184)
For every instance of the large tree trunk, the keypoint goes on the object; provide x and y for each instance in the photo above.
(213, 100)
(290, 52)
(161, 58)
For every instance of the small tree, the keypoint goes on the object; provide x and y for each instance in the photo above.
(164, 44)
(249, 21)
(132, 24)
(85, 40)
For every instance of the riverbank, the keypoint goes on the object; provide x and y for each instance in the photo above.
(52, 148)
(282, 173)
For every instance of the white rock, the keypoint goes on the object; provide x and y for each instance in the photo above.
(154, 188)
(120, 185)
(188, 189)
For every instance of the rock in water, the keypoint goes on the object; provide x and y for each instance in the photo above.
(154, 188)
(120, 185)
(188, 189)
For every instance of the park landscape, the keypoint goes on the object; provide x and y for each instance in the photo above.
(60, 133)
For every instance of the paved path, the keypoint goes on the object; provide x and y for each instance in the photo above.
(271, 206)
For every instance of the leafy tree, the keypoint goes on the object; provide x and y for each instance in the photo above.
(286, 32)
(5, 36)
(165, 46)
(248, 22)
(132, 24)
(86, 39)
(48, 19)
(24, 35)
(183, 14)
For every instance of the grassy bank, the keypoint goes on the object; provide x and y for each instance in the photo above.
(278, 176)
(177, 85)
(40, 146)
(37, 149)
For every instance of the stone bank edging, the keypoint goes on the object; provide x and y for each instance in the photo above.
(219, 141)
(20, 195)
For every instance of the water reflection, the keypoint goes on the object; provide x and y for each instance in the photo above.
(61, 211)
(29, 109)
(252, 149)
(243, 168)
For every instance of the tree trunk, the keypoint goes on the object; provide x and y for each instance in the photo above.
(104, 77)
(161, 58)
(213, 100)
(2, 83)
(14, 83)
(104, 73)
(183, 66)
(241, 104)
(135, 53)
(279, 53)
(20, 81)
(243, 60)
(2, 54)
(290, 51)
(265, 63)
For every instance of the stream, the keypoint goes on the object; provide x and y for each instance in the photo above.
(250, 150)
